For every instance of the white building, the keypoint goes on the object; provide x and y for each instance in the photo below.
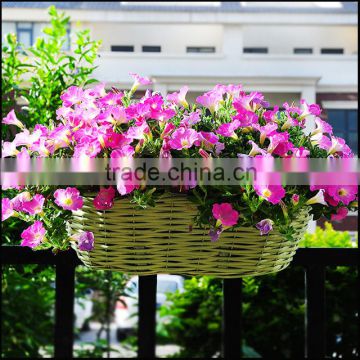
(287, 50)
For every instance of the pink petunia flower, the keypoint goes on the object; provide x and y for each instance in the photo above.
(191, 119)
(68, 199)
(139, 80)
(179, 97)
(265, 131)
(73, 95)
(279, 144)
(35, 205)
(138, 132)
(163, 114)
(300, 152)
(256, 150)
(338, 146)
(271, 193)
(33, 235)
(341, 214)
(183, 138)
(9, 149)
(343, 193)
(309, 109)
(11, 119)
(88, 147)
(228, 129)
(7, 209)
(206, 139)
(295, 199)
(124, 151)
(85, 240)
(225, 214)
(321, 140)
(105, 199)
(322, 127)
(210, 100)
(19, 200)
(245, 117)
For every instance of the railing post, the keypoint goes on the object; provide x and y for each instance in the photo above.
(147, 316)
(315, 331)
(64, 306)
(232, 311)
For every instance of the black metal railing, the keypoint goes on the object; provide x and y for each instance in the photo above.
(314, 262)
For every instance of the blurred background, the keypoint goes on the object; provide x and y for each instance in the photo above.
(286, 50)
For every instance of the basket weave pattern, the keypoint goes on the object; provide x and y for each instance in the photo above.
(158, 240)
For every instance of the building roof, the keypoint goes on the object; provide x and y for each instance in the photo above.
(207, 6)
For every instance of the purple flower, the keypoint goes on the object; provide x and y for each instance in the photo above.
(85, 240)
(33, 235)
(214, 233)
(183, 138)
(191, 119)
(265, 226)
(179, 97)
(73, 95)
(210, 100)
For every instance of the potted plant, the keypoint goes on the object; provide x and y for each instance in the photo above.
(187, 228)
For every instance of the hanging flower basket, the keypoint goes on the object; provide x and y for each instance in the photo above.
(163, 240)
(185, 227)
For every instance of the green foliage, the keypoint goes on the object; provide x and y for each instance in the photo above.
(327, 237)
(27, 310)
(273, 310)
(40, 73)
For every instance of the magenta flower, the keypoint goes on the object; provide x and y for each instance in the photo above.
(265, 226)
(338, 146)
(341, 214)
(183, 138)
(191, 119)
(265, 131)
(35, 205)
(343, 193)
(322, 141)
(322, 127)
(245, 117)
(249, 102)
(139, 80)
(271, 193)
(88, 147)
(206, 139)
(85, 240)
(19, 200)
(163, 114)
(9, 149)
(204, 154)
(256, 150)
(179, 97)
(300, 152)
(111, 99)
(228, 129)
(225, 214)
(138, 132)
(279, 144)
(271, 115)
(105, 199)
(11, 119)
(125, 187)
(168, 128)
(73, 95)
(295, 199)
(7, 209)
(309, 109)
(33, 235)
(210, 100)
(68, 199)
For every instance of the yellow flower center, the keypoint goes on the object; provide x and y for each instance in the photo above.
(266, 193)
(68, 201)
(342, 192)
(184, 143)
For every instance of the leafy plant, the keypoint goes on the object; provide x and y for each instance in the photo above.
(40, 73)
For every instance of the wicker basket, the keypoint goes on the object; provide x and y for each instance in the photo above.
(159, 240)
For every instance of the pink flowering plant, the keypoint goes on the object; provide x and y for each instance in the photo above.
(225, 122)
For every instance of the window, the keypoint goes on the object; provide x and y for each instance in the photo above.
(303, 50)
(122, 48)
(24, 31)
(147, 48)
(255, 50)
(345, 125)
(200, 49)
(332, 51)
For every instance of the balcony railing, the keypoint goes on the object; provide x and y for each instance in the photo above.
(314, 261)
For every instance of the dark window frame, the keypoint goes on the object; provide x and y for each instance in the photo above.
(332, 51)
(130, 47)
(303, 51)
(151, 48)
(25, 30)
(200, 49)
(255, 50)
